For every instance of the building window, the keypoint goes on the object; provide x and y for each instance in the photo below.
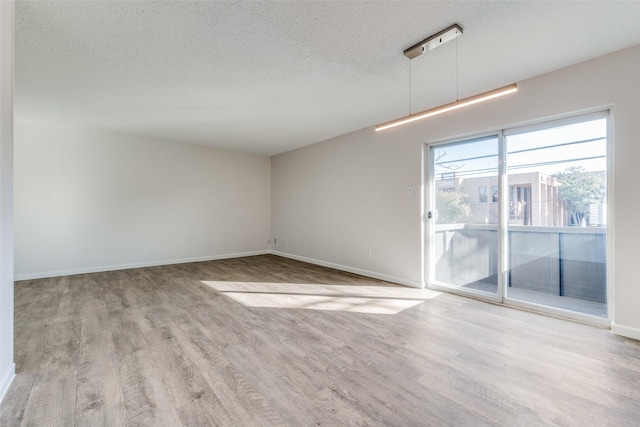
(494, 193)
(520, 203)
(447, 175)
(482, 194)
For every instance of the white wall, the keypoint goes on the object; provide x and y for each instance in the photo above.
(337, 200)
(86, 201)
(7, 367)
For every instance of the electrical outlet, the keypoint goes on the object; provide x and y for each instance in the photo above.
(226, 242)
(410, 190)
(275, 241)
(369, 254)
(286, 241)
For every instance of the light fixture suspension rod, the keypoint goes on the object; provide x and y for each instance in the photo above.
(449, 107)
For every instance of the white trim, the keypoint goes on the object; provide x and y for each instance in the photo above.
(465, 292)
(503, 218)
(361, 272)
(610, 243)
(424, 194)
(428, 241)
(6, 379)
(558, 312)
(98, 269)
(625, 331)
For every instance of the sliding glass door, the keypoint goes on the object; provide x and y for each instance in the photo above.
(557, 225)
(521, 216)
(464, 215)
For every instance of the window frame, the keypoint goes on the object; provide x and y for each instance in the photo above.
(502, 133)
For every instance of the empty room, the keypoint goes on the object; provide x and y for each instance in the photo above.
(319, 213)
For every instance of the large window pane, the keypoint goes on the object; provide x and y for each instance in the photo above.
(466, 238)
(557, 216)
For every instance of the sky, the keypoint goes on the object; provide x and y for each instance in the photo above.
(547, 151)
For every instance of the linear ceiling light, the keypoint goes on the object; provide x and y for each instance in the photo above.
(430, 43)
(449, 107)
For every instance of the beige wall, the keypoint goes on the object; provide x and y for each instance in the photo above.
(86, 201)
(337, 200)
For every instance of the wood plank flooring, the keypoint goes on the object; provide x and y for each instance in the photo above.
(184, 345)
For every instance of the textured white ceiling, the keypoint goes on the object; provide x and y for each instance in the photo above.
(268, 77)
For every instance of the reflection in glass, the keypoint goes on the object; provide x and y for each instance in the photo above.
(557, 216)
(466, 238)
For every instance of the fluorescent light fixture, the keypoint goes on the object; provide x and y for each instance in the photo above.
(449, 107)
(433, 41)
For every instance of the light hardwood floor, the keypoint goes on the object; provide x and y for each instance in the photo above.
(259, 342)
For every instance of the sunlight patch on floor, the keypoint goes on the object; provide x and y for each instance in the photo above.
(357, 299)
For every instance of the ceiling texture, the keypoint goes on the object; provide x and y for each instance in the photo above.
(268, 77)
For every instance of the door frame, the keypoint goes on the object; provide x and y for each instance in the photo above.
(429, 223)
(428, 226)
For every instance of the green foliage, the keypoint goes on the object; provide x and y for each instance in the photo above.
(452, 207)
(578, 189)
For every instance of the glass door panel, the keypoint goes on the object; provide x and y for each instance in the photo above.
(464, 215)
(557, 216)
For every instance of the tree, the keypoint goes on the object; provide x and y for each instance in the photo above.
(452, 207)
(579, 189)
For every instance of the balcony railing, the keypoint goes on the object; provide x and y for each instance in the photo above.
(556, 261)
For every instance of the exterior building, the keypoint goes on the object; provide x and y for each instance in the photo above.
(533, 198)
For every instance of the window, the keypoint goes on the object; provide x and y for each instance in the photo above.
(520, 204)
(557, 240)
(447, 175)
(544, 243)
(482, 194)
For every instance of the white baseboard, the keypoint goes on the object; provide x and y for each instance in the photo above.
(6, 379)
(98, 269)
(361, 272)
(625, 331)
(30, 276)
